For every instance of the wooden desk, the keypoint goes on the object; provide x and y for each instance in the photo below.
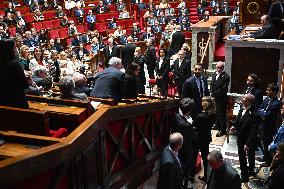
(13, 150)
(68, 117)
(56, 108)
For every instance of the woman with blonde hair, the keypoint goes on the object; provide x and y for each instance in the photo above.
(203, 124)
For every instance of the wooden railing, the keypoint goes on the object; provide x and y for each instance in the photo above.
(117, 146)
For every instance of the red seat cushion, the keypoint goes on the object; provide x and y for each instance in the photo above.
(152, 81)
(53, 34)
(61, 132)
(56, 23)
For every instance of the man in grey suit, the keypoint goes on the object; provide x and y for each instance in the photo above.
(108, 83)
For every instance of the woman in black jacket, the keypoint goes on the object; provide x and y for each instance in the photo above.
(13, 81)
(130, 84)
(203, 125)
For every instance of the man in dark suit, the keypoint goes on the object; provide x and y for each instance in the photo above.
(101, 8)
(79, 13)
(170, 173)
(181, 70)
(252, 88)
(110, 51)
(268, 31)
(276, 14)
(177, 41)
(108, 83)
(269, 111)
(151, 59)
(219, 89)
(128, 51)
(196, 87)
(246, 127)
(183, 125)
(221, 174)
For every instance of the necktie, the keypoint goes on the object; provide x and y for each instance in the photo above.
(200, 87)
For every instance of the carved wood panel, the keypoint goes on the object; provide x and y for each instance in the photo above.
(251, 11)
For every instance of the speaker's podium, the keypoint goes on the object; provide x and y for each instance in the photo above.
(205, 35)
(264, 57)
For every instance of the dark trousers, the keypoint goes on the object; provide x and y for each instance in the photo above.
(221, 115)
(163, 87)
(151, 69)
(266, 139)
(179, 84)
(204, 150)
(245, 170)
(185, 154)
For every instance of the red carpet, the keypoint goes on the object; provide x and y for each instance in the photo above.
(219, 52)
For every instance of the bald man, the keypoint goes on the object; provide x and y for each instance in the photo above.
(219, 89)
(128, 50)
(170, 173)
(247, 138)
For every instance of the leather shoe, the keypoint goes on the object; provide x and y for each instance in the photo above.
(220, 133)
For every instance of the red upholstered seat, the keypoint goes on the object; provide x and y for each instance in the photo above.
(80, 28)
(100, 26)
(2, 12)
(63, 32)
(53, 34)
(12, 31)
(112, 15)
(101, 17)
(152, 81)
(47, 24)
(69, 40)
(56, 23)
(88, 47)
(120, 23)
(49, 14)
(128, 22)
(37, 25)
(61, 132)
(29, 17)
(112, 8)
(187, 34)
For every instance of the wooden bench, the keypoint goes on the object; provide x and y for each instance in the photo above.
(28, 121)
(62, 113)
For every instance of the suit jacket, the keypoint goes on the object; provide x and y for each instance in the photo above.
(150, 56)
(13, 83)
(247, 127)
(183, 127)
(269, 111)
(164, 69)
(226, 178)
(130, 87)
(109, 55)
(190, 90)
(170, 173)
(108, 84)
(79, 12)
(257, 95)
(128, 54)
(268, 31)
(219, 88)
(178, 40)
(276, 14)
(203, 124)
(275, 180)
(181, 71)
(141, 61)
